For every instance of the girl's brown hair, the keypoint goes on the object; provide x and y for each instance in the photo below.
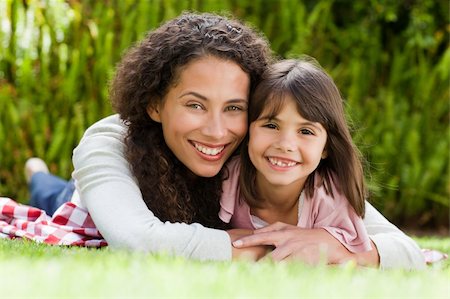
(318, 100)
(143, 78)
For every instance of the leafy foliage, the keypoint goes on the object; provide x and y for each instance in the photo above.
(389, 58)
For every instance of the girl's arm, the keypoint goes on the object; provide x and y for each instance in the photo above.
(253, 253)
(308, 245)
(111, 195)
(391, 247)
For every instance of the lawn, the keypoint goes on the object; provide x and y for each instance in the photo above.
(41, 271)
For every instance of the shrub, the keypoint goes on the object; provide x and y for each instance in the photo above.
(389, 58)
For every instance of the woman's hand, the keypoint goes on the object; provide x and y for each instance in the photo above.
(308, 245)
(252, 253)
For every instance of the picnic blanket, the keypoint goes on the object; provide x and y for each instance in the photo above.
(72, 225)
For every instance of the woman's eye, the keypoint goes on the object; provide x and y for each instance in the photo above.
(233, 108)
(306, 132)
(195, 106)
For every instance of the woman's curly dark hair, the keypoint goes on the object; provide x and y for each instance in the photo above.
(143, 78)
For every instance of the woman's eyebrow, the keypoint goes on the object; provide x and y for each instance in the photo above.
(202, 97)
(238, 101)
(195, 94)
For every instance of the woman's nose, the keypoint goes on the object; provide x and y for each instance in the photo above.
(215, 127)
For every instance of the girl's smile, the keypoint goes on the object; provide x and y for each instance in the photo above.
(286, 148)
(281, 163)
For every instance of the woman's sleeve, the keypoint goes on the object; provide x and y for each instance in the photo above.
(110, 193)
(396, 249)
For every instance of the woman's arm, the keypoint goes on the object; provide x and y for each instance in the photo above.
(395, 249)
(111, 195)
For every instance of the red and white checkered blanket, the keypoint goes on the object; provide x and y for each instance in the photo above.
(70, 225)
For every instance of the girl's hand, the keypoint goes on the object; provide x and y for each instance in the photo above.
(307, 245)
(252, 253)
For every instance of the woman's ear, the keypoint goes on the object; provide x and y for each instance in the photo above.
(153, 112)
(324, 154)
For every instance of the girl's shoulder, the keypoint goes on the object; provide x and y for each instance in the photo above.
(230, 189)
(320, 181)
(328, 194)
(233, 164)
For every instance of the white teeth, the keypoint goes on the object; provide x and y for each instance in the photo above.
(276, 162)
(209, 151)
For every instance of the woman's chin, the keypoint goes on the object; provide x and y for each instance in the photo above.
(207, 171)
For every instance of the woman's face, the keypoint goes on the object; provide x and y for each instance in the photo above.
(204, 115)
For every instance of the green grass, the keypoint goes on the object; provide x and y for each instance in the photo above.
(34, 270)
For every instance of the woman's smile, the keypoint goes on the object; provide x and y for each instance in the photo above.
(204, 116)
(209, 152)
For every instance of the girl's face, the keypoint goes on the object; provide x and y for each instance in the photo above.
(285, 150)
(204, 116)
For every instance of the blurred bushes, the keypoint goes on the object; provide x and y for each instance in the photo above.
(390, 59)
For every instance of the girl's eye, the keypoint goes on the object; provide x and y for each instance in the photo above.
(271, 126)
(306, 132)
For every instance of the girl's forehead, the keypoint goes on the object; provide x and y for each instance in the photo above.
(274, 104)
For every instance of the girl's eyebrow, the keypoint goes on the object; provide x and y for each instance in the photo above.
(202, 97)
(267, 117)
(312, 124)
(304, 123)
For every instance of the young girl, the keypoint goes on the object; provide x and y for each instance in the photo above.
(299, 165)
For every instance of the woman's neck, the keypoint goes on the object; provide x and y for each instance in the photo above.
(279, 202)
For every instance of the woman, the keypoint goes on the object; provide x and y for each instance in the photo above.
(182, 95)
(151, 176)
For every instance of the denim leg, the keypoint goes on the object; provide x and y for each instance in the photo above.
(49, 192)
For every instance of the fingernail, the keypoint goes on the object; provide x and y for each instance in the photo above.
(237, 243)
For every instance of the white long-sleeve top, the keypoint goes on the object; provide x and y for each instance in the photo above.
(108, 190)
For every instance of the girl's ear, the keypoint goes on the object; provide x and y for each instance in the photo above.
(324, 154)
(153, 112)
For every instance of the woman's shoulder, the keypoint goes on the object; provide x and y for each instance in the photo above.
(105, 136)
(111, 123)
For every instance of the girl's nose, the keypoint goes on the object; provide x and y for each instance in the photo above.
(286, 142)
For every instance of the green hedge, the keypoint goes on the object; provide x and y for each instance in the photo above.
(390, 59)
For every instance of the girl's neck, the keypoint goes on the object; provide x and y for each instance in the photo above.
(279, 203)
